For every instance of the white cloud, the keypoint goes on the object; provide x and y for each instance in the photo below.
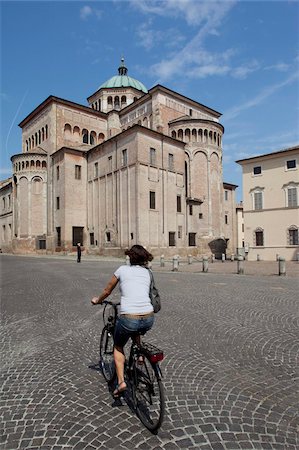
(263, 95)
(148, 36)
(280, 67)
(244, 70)
(86, 12)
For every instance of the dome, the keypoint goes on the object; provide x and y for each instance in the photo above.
(123, 80)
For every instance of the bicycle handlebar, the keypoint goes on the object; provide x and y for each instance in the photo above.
(108, 302)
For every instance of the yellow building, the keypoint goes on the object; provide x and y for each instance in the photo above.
(270, 202)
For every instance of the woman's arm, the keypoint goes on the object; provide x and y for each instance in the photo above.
(106, 292)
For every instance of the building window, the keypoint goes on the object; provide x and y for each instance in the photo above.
(3, 233)
(3, 203)
(257, 170)
(9, 201)
(84, 138)
(152, 199)
(58, 236)
(180, 232)
(291, 164)
(226, 219)
(57, 203)
(171, 239)
(293, 236)
(259, 238)
(191, 210)
(200, 215)
(192, 239)
(292, 197)
(124, 157)
(152, 156)
(108, 236)
(179, 203)
(226, 195)
(77, 172)
(91, 237)
(57, 172)
(42, 244)
(258, 200)
(170, 161)
(96, 170)
(110, 163)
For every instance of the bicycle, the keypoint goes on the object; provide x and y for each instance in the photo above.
(142, 372)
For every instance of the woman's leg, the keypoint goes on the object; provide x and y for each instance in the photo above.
(119, 359)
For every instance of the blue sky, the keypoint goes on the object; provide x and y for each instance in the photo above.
(240, 58)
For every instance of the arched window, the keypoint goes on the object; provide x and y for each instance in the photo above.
(99, 105)
(37, 186)
(27, 147)
(259, 237)
(134, 99)
(67, 131)
(85, 136)
(19, 166)
(205, 136)
(32, 163)
(27, 164)
(39, 137)
(33, 141)
(93, 137)
(76, 134)
(200, 135)
(38, 163)
(109, 101)
(101, 138)
(44, 165)
(218, 140)
(123, 100)
(180, 134)
(29, 143)
(194, 135)
(293, 235)
(36, 139)
(187, 135)
(173, 134)
(116, 102)
(23, 165)
(43, 134)
(257, 199)
(210, 137)
(46, 127)
(215, 134)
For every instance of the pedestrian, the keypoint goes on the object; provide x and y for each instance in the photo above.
(136, 310)
(78, 252)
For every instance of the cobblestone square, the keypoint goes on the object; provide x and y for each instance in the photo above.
(230, 372)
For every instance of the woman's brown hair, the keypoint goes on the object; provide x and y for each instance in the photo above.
(138, 255)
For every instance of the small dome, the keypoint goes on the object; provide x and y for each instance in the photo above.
(123, 80)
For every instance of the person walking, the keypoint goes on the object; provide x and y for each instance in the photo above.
(136, 310)
(78, 252)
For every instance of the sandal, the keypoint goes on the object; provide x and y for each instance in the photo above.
(119, 391)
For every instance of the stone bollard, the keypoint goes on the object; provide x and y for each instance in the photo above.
(232, 258)
(127, 260)
(258, 257)
(240, 265)
(205, 264)
(281, 266)
(223, 257)
(189, 259)
(162, 261)
(175, 264)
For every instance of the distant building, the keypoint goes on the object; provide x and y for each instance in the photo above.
(134, 166)
(271, 208)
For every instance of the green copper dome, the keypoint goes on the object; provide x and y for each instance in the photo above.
(123, 80)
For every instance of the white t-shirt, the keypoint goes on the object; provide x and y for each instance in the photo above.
(134, 284)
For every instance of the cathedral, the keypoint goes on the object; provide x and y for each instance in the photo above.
(132, 166)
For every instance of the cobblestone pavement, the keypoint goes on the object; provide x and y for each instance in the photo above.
(231, 343)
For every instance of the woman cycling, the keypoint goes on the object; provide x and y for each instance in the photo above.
(136, 311)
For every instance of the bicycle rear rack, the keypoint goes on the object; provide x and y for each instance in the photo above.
(153, 353)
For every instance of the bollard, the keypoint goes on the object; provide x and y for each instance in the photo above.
(232, 258)
(205, 264)
(240, 265)
(175, 264)
(281, 266)
(189, 259)
(127, 260)
(258, 257)
(162, 261)
(223, 257)
(277, 257)
(213, 258)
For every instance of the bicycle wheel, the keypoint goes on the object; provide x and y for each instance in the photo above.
(106, 353)
(148, 394)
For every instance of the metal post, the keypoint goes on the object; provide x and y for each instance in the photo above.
(240, 265)
(175, 264)
(205, 264)
(162, 262)
(189, 259)
(127, 260)
(281, 266)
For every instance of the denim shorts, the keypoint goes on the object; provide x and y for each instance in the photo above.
(128, 327)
